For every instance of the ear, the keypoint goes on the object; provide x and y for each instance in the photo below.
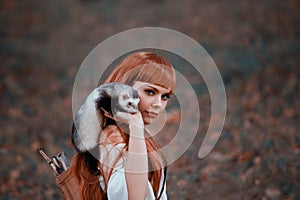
(87, 124)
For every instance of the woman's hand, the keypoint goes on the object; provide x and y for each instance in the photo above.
(135, 122)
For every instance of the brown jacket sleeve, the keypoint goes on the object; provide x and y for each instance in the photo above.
(69, 185)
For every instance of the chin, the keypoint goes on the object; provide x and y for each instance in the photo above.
(147, 120)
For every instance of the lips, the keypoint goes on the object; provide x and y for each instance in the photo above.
(151, 114)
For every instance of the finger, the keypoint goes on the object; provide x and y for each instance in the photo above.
(122, 117)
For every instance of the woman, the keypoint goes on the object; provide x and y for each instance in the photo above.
(131, 165)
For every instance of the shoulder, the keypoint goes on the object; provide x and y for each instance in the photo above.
(111, 135)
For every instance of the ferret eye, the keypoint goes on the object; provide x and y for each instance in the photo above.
(126, 96)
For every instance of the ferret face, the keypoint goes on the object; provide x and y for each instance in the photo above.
(128, 101)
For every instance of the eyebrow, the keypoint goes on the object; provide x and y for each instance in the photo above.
(156, 90)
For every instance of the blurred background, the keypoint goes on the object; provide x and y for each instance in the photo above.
(254, 43)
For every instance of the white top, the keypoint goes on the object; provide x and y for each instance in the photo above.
(117, 188)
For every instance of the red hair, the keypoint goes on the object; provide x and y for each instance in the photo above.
(145, 67)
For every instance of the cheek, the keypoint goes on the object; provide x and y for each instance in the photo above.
(164, 105)
(143, 104)
(144, 101)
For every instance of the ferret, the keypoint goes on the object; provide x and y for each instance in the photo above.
(107, 99)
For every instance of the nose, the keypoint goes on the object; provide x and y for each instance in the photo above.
(130, 104)
(156, 102)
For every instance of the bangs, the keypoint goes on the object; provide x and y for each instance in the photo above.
(158, 74)
(145, 67)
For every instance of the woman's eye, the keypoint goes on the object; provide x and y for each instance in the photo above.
(149, 92)
(165, 97)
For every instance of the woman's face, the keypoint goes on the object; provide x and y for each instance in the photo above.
(153, 100)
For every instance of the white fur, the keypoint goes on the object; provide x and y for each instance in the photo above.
(89, 121)
(88, 124)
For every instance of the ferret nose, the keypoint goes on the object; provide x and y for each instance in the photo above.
(131, 105)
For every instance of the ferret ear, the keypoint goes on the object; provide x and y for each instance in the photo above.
(106, 90)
